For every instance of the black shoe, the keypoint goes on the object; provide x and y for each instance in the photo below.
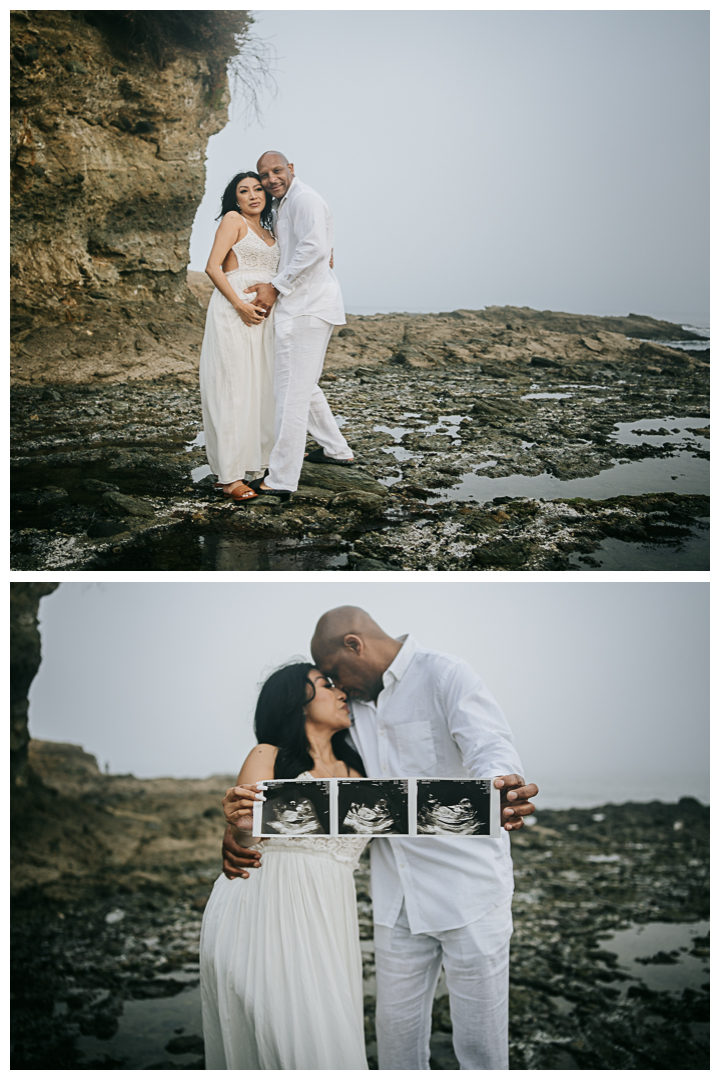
(319, 457)
(283, 496)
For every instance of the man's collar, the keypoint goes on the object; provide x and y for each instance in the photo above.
(278, 203)
(403, 659)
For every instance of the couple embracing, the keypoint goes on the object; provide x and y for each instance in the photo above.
(268, 325)
(280, 960)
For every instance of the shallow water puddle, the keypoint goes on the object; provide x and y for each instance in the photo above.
(191, 549)
(233, 553)
(666, 949)
(200, 473)
(544, 397)
(199, 440)
(145, 1028)
(613, 554)
(674, 430)
(396, 432)
(399, 453)
(446, 425)
(682, 473)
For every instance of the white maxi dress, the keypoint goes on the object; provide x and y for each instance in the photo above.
(280, 961)
(237, 363)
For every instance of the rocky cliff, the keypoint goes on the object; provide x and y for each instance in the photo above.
(110, 117)
(24, 663)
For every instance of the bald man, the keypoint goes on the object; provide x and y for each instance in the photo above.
(308, 303)
(436, 900)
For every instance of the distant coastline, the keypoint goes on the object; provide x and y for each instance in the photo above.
(557, 795)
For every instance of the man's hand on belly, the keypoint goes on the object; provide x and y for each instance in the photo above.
(267, 294)
(236, 858)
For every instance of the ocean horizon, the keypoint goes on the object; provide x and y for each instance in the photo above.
(582, 795)
(559, 795)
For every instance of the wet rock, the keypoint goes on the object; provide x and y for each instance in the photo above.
(46, 497)
(186, 1044)
(544, 361)
(339, 478)
(660, 958)
(126, 502)
(372, 564)
(98, 485)
(105, 528)
(503, 555)
(366, 502)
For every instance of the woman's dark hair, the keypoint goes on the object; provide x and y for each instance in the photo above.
(280, 721)
(229, 200)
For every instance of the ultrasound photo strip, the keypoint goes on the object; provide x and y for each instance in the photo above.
(363, 807)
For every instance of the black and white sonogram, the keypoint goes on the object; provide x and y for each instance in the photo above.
(373, 807)
(296, 808)
(453, 807)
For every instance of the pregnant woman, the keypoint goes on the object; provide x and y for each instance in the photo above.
(280, 963)
(237, 359)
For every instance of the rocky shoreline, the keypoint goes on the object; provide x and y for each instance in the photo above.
(111, 873)
(500, 439)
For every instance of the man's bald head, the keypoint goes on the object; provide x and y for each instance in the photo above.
(271, 153)
(335, 625)
(276, 173)
(350, 647)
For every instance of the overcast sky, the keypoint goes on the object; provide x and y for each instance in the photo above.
(555, 159)
(604, 685)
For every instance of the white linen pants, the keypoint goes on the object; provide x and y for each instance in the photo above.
(300, 405)
(476, 959)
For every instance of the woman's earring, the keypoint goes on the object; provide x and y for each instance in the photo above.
(238, 206)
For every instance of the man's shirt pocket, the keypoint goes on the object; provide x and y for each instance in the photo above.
(416, 747)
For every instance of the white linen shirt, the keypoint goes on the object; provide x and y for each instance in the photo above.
(433, 718)
(305, 280)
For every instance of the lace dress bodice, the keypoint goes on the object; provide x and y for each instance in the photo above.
(343, 849)
(252, 253)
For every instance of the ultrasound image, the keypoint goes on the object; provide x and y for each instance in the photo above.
(453, 807)
(373, 807)
(296, 808)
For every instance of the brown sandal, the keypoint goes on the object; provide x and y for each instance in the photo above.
(242, 496)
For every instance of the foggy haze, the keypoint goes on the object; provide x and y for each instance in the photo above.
(555, 159)
(605, 686)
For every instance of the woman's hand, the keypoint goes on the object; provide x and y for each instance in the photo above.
(249, 314)
(238, 805)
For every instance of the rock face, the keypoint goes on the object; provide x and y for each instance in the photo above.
(504, 340)
(24, 663)
(96, 828)
(111, 113)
